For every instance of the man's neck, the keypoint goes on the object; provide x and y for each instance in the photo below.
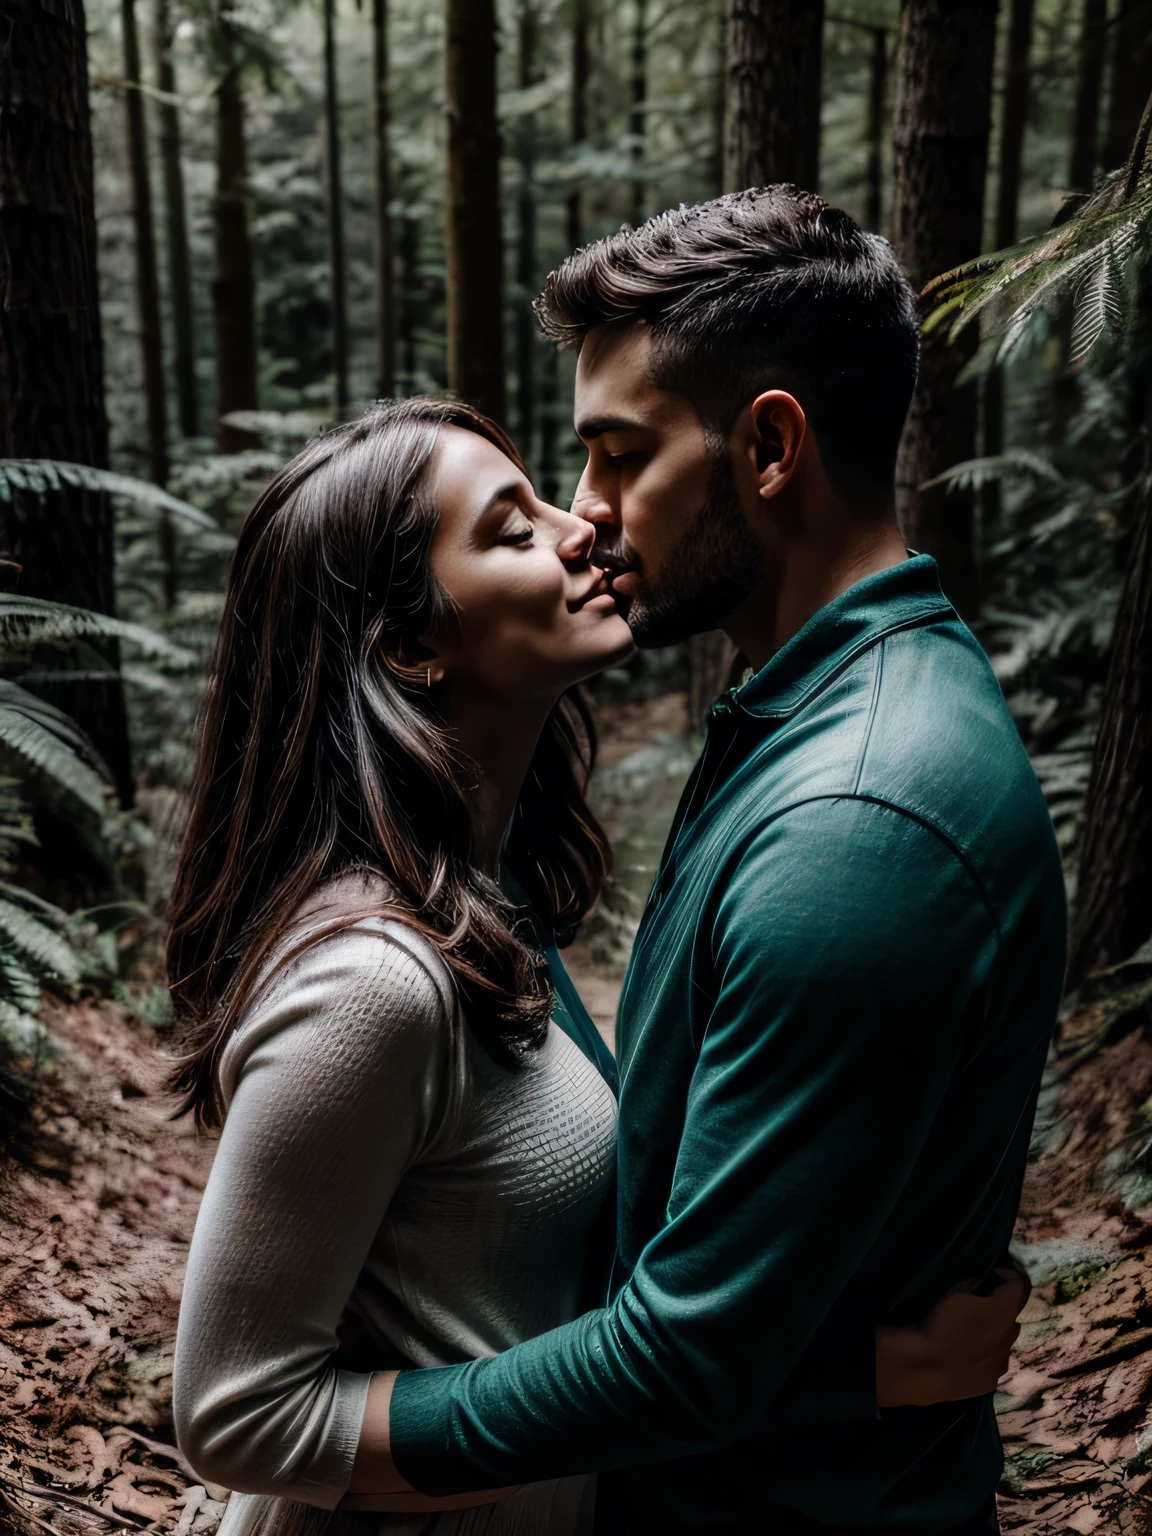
(809, 574)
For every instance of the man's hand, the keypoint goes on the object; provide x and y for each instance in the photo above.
(960, 1350)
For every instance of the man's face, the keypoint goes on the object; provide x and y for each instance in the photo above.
(669, 526)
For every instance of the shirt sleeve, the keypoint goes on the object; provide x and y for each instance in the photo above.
(848, 956)
(336, 1075)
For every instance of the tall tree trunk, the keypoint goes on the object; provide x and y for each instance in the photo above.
(233, 283)
(526, 238)
(474, 240)
(1131, 78)
(719, 98)
(775, 63)
(51, 380)
(147, 284)
(581, 69)
(410, 287)
(638, 114)
(176, 227)
(1089, 78)
(941, 140)
(335, 188)
(1114, 898)
(383, 259)
(1014, 121)
(877, 93)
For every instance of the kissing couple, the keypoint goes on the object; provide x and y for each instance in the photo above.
(453, 1275)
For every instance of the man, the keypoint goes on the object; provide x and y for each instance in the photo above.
(844, 984)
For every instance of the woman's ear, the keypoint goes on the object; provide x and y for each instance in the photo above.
(424, 672)
(779, 427)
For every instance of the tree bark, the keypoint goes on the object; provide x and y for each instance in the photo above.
(334, 186)
(1131, 79)
(941, 141)
(147, 283)
(1089, 78)
(877, 94)
(638, 113)
(51, 359)
(1014, 121)
(176, 228)
(1114, 904)
(410, 287)
(775, 64)
(233, 285)
(474, 242)
(581, 70)
(529, 28)
(383, 257)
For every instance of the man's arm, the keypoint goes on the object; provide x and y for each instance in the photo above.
(850, 953)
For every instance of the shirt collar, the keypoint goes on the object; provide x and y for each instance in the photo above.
(892, 599)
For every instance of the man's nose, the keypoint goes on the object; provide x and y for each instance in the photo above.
(592, 506)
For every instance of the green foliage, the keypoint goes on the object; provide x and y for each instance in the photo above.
(1094, 258)
(40, 477)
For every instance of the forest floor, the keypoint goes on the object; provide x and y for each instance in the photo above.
(95, 1225)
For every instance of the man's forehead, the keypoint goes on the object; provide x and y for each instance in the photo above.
(614, 388)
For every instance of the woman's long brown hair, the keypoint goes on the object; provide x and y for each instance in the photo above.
(318, 754)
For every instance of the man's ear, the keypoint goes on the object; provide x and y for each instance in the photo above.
(779, 427)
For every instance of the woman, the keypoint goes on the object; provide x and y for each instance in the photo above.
(388, 833)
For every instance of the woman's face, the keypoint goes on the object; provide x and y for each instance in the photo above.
(533, 615)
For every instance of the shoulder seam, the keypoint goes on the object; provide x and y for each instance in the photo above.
(872, 707)
(923, 821)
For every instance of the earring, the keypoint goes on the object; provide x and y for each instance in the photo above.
(428, 674)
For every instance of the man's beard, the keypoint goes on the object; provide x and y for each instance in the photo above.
(708, 572)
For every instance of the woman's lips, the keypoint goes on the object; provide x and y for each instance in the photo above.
(602, 600)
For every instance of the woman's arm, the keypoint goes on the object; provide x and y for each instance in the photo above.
(340, 1074)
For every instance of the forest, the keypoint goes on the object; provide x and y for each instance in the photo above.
(226, 225)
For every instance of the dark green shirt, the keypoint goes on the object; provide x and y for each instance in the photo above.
(830, 1041)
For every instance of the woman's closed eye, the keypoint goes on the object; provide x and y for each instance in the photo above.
(521, 533)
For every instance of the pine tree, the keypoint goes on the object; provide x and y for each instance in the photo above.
(233, 283)
(942, 126)
(382, 250)
(51, 368)
(775, 66)
(335, 189)
(1014, 120)
(147, 282)
(176, 226)
(473, 235)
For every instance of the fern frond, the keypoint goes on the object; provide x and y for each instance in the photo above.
(44, 951)
(22, 1036)
(972, 474)
(41, 748)
(39, 477)
(26, 622)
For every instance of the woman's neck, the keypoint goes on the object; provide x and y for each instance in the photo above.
(500, 737)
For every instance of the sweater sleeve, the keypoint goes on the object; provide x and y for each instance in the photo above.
(849, 954)
(336, 1075)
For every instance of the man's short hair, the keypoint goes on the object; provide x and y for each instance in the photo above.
(769, 288)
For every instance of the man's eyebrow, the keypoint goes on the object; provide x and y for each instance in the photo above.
(596, 426)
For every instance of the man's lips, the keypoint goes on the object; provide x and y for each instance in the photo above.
(625, 584)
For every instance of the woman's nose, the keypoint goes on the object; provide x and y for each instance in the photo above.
(577, 537)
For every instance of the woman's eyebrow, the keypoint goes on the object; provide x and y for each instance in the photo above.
(509, 492)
